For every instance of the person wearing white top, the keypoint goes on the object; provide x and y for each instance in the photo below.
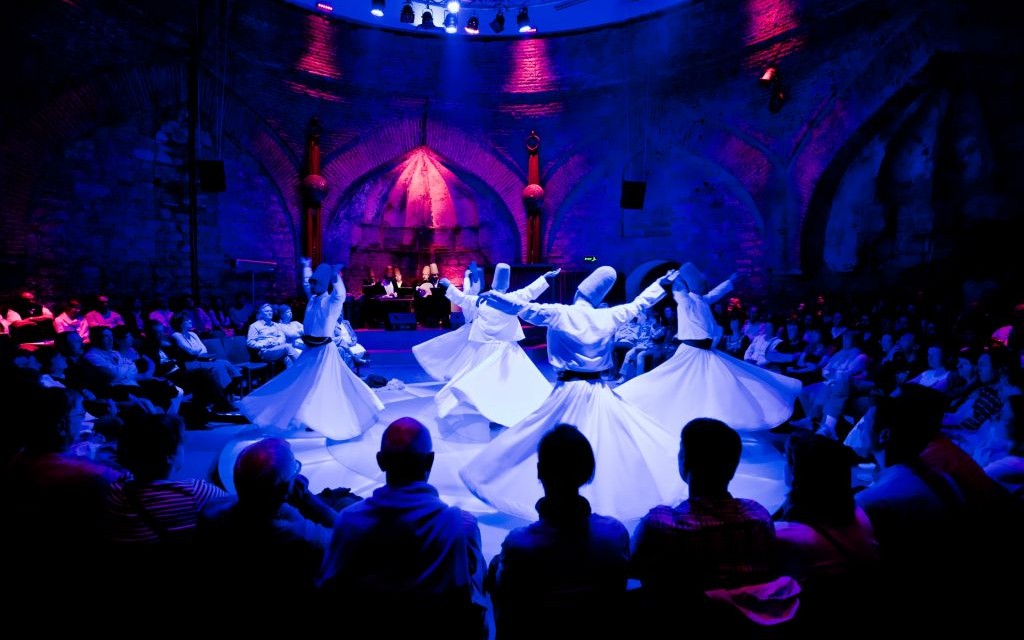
(699, 381)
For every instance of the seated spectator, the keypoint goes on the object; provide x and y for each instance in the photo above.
(273, 536)
(71, 319)
(29, 320)
(708, 542)
(842, 377)
(219, 315)
(160, 310)
(103, 316)
(117, 377)
(150, 519)
(569, 568)
(403, 549)
(192, 354)
(353, 353)
(763, 342)
(240, 314)
(734, 341)
(936, 375)
(918, 516)
(808, 364)
(208, 396)
(53, 504)
(266, 339)
(975, 425)
(649, 332)
(824, 540)
(1008, 470)
(290, 327)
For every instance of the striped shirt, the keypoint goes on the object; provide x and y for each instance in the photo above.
(705, 543)
(138, 513)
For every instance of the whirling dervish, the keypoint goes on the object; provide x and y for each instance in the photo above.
(699, 381)
(637, 465)
(497, 380)
(319, 391)
(442, 357)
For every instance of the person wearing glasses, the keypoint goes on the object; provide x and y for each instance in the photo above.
(274, 533)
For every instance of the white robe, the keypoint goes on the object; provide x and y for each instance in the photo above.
(636, 460)
(706, 383)
(319, 391)
(442, 357)
(497, 379)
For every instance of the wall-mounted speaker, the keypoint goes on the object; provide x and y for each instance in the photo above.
(211, 176)
(633, 193)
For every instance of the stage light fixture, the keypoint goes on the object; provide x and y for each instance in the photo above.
(453, 6)
(769, 76)
(451, 23)
(473, 26)
(377, 7)
(523, 20)
(498, 24)
(427, 20)
(407, 16)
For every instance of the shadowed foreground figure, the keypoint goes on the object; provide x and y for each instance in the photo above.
(404, 559)
(568, 568)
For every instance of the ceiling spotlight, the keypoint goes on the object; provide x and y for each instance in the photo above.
(498, 24)
(451, 23)
(473, 26)
(770, 75)
(407, 16)
(427, 20)
(377, 7)
(454, 6)
(523, 20)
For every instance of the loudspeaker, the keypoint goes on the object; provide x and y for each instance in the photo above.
(401, 321)
(633, 193)
(211, 176)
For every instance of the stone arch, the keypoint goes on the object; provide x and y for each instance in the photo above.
(843, 123)
(463, 149)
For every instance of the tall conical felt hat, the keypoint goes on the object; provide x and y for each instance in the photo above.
(597, 285)
(502, 275)
(324, 274)
(694, 279)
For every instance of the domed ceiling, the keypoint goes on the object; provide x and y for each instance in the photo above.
(541, 16)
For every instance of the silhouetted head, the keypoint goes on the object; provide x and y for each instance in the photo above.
(406, 452)
(709, 453)
(565, 460)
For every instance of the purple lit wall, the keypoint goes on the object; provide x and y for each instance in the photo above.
(897, 144)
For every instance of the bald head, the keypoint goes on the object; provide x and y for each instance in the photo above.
(264, 470)
(406, 452)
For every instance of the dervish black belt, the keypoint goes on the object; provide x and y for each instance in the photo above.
(565, 375)
(315, 341)
(704, 343)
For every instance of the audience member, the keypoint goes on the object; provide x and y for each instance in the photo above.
(266, 339)
(103, 315)
(709, 541)
(825, 541)
(273, 536)
(404, 550)
(569, 568)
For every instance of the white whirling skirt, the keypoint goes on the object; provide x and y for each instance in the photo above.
(443, 356)
(636, 459)
(705, 383)
(319, 392)
(499, 381)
